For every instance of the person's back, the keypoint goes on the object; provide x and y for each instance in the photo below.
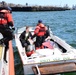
(39, 32)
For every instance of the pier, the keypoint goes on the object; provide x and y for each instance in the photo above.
(39, 8)
(18, 7)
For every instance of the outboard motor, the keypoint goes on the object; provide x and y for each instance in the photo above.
(1, 39)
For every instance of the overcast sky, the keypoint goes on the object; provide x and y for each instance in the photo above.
(43, 2)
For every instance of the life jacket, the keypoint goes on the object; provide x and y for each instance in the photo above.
(42, 30)
(3, 18)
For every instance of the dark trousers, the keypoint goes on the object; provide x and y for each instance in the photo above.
(7, 36)
(39, 41)
(6, 48)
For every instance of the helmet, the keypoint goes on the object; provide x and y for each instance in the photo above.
(39, 21)
(10, 9)
(7, 8)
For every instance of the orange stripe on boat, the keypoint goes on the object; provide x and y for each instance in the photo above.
(11, 59)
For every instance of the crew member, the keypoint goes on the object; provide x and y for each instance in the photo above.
(6, 22)
(40, 34)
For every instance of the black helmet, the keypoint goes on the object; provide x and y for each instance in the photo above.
(7, 8)
(10, 9)
(39, 21)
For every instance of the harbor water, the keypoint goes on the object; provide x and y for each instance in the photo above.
(62, 24)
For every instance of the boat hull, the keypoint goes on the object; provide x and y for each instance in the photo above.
(45, 61)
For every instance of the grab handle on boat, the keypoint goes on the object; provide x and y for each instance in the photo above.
(38, 71)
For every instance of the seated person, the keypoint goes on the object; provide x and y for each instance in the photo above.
(24, 38)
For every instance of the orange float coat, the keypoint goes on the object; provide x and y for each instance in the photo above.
(5, 17)
(40, 30)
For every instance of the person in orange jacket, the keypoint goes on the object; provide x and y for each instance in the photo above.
(40, 34)
(6, 22)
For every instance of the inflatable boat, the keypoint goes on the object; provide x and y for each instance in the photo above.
(59, 58)
(6, 68)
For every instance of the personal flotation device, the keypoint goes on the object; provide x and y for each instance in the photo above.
(40, 30)
(3, 17)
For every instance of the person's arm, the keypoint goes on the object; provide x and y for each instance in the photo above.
(47, 35)
(30, 35)
(10, 19)
(33, 36)
(35, 32)
(30, 38)
(22, 39)
(22, 36)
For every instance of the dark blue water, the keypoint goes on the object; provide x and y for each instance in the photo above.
(62, 23)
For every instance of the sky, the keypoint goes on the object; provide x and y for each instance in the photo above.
(43, 2)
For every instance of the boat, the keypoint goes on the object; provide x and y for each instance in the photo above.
(59, 59)
(6, 68)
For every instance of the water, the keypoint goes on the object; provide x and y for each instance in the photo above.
(62, 23)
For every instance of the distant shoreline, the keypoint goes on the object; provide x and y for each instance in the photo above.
(18, 7)
(39, 8)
